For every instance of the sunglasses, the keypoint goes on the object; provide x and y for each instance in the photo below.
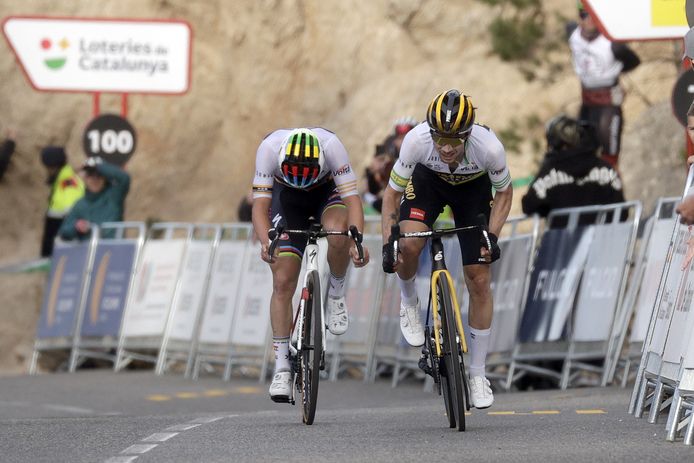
(453, 141)
(583, 14)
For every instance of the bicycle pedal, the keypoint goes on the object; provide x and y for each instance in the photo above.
(281, 399)
(424, 366)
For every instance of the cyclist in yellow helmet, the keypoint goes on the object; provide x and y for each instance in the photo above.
(449, 160)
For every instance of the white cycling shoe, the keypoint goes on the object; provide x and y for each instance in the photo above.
(410, 324)
(481, 395)
(338, 321)
(281, 387)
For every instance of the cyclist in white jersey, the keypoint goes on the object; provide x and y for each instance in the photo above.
(449, 160)
(302, 174)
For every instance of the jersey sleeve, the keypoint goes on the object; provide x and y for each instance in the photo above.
(497, 168)
(337, 160)
(405, 164)
(263, 180)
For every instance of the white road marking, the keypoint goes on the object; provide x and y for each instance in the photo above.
(160, 437)
(182, 427)
(120, 459)
(139, 448)
(209, 419)
(69, 409)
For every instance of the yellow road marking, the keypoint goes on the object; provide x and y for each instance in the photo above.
(545, 412)
(215, 393)
(510, 412)
(187, 395)
(247, 390)
(158, 397)
(597, 411)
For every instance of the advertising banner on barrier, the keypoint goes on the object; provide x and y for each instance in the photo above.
(508, 280)
(154, 288)
(218, 314)
(193, 278)
(680, 330)
(553, 283)
(62, 295)
(655, 263)
(253, 313)
(108, 289)
(604, 270)
(360, 295)
(670, 292)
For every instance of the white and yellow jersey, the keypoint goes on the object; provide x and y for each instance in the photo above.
(336, 163)
(484, 155)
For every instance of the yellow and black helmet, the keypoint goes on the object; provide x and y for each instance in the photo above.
(301, 158)
(451, 114)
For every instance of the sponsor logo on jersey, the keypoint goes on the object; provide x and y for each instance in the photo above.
(262, 175)
(498, 172)
(409, 191)
(457, 179)
(417, 213)
(342, 170)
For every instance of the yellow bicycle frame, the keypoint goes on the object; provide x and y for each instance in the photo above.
(456, 308)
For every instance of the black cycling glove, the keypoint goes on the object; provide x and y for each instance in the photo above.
(388, 258)
(495, 250)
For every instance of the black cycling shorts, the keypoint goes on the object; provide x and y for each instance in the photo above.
(293, 207)
(427, 194)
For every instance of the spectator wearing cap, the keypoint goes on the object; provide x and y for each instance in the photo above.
(104, 201)
(599, 62)
(6, 150)
(571, 174)
(66, 189)
(401, 126)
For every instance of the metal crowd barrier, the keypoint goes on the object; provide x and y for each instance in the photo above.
(156, 290)
(110, 287)
(666, 372)
(576, 287)
(642, 290)
(64, 299)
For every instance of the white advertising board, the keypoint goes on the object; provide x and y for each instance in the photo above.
(154, 288)
(222, 293)
(193, 280)
(624, 20)
(102, 55)
(253, 313)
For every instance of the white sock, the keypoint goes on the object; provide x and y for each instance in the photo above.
(281, 348)
(479, 344)
(336, 288)
(408, 291)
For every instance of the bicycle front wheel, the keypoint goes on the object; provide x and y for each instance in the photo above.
(311, 348)
(453, 384)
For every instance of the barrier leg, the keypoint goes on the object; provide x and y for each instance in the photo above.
(641, 398)
(655, 402)
(34, 361)
(673, 419)
(396, 374)
(689, 435)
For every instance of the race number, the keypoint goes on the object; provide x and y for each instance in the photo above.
(111, 137)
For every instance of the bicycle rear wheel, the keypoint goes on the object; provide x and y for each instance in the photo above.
(311, 348)
(452, 362)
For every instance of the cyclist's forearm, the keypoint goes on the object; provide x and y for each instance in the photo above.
(390, 211)
(355, 211)
(500, 210)
(261, 218)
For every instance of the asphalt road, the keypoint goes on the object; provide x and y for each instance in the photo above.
(99, 416)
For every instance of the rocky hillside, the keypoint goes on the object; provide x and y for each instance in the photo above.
(352, 67)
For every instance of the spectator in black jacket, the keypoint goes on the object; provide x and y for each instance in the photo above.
(6, 150)
(571, 174)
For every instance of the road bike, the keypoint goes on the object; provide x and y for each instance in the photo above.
(308, 330)
(444, 335)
